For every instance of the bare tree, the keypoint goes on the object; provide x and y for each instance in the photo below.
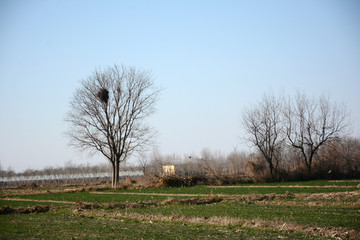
(108, 112)
(339, 159)
(349, 155)
(235, 162)
(263, 124)
(310, 124)
(143, 161)
(156, 161)
(212, 163)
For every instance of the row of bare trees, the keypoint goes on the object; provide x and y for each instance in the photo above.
(337, 159)
(210, 163)
(68, 168)
(301, 126)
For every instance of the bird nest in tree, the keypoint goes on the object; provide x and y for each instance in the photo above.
(103, 95)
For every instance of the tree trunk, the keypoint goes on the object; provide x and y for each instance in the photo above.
(271, 166)
(113, 177)
(309, 170)
(144, 169)
(117, 169)
(309, 166)
(271, 169)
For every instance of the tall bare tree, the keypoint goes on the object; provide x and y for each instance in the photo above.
(264, 128)
(311, 124)
(235, 162)
(212, 163)
(143, 161)
(108, 112)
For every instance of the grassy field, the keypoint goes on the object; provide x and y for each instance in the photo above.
(296, 210)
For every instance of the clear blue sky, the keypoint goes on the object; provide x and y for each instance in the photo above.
(213, 58)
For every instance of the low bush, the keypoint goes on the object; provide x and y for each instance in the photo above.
(173, 181)
(178, 181)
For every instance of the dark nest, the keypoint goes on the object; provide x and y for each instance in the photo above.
(103, 95)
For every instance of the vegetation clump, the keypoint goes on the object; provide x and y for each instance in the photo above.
(24, 210)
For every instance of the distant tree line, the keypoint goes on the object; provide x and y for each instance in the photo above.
(339, 159)
(69, 174)
(69, 168)
(293, 138)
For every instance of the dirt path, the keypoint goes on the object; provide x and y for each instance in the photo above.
(162, 194)
(37, 200)
(291, 186)
(332, 195)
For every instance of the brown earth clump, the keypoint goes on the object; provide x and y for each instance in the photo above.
(84, 205)
(24, 210)
(123, 205)
(6, 210)
(193, 201)
(333, 195)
